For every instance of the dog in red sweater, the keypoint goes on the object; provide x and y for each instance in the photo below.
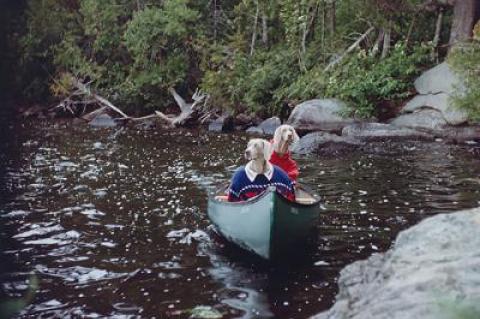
(285, 136)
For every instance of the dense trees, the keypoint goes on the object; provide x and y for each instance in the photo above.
(247, 54)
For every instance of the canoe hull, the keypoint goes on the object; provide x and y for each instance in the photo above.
(268, 225)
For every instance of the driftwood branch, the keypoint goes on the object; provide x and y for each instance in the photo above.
(350, 49)
(82, 96)
(188, 111)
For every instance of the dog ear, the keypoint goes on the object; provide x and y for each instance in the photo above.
(267, 150)
(277, 137)
(296, 138)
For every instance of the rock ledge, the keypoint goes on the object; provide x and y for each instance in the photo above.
(432, 272)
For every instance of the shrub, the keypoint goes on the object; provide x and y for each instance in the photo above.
(365, 81)
(465, 59)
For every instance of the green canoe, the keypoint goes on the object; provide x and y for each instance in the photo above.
(268, 225)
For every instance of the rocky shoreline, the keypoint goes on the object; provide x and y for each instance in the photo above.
(432, 271)
(428, 116)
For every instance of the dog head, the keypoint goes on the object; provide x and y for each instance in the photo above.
(258, 149)
(285, 135)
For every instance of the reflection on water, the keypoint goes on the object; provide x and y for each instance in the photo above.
(112, 222)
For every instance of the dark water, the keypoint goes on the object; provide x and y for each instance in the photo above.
(112, 222)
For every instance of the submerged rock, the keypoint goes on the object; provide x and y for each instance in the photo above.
(103, 120)
(432, 271)
(378, 131)
(325, 143)
(320, 115)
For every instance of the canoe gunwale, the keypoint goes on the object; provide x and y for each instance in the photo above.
(211, 197)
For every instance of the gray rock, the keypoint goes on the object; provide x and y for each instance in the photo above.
(461, 134)
(432, 272)
(103, 120)
(147, 125)
(426, 119)
(440, 102)
(439, 79)
(324, 143)
(320, 115)
(255, 130)
(222, 124)
(270, 125)
(378, 131)
(243, 119)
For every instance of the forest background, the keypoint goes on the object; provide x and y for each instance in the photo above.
(252, 56)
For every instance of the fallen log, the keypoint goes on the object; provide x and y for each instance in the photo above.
(83, 97)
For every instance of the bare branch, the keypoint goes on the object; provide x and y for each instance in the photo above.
(180, 101)
(350, 49)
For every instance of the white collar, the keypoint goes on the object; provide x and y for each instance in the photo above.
(251, 174)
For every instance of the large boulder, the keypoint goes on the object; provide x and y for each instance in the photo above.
(439, 79)
(424, 119)
(440, 102)
(432, 272)
(320, 115)
(254, 130)
(435, 88)
(270, 125)
(325, 143)
(379, 131)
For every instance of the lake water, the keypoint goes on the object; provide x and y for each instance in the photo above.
(113, 222)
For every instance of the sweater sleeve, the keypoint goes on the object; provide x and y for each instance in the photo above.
(288, 190)
(235, 186)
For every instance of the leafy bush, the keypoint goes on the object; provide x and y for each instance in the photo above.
(465, 59)
(362, 80)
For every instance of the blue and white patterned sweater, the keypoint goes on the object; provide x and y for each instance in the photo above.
(242, 188)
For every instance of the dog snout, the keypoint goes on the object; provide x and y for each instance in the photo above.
(248, 154)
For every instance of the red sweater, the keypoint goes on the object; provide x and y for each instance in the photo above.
(286, 163)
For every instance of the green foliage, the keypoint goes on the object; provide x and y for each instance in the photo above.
(465, 59)
(47, 22)
(247, 54)
(251, 83)
(364, 81)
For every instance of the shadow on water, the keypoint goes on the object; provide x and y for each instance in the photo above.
(113, 223)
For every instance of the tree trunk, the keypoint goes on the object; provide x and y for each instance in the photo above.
(410, 29)
(333, 19)
(264, 29)
(378, 43)
(465, 14)
(254, 33)
(215, 21)
(324, 23)
(386, 41)
(309, 26)
(438, 30)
